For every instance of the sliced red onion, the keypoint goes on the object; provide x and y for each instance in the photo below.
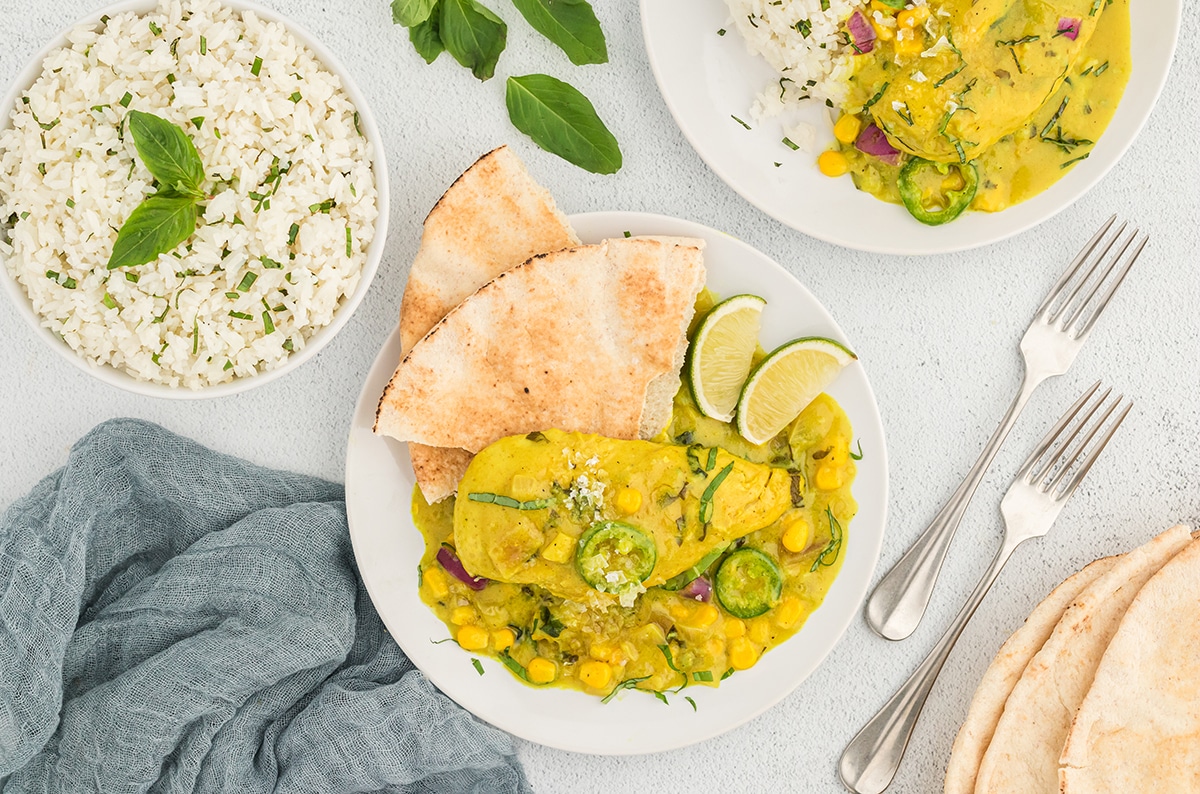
(872, 141)
(454, 567)
(1068, 28)
(698, 589)
(862, 33)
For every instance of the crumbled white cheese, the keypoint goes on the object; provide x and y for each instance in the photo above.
(939, 46)
(897, 106)
(919, 76)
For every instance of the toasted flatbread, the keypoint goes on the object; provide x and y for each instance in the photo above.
(569, 340)
(1138, 729)
(1002, 675)
(1023, 755)
(494, 217)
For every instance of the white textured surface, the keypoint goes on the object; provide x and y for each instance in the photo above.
(938, 336)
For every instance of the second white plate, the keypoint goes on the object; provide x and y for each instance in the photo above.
(706, 78)
(388, 547)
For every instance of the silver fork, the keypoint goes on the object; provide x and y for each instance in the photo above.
(1059, 329)
(1041, 488)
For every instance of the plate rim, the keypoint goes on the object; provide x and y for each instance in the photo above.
(365, 406)
(866, 243)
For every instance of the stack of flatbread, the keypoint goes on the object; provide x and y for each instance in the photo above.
(1099, 690)
(509, 325)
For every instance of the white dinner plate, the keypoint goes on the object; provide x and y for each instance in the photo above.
(388, 547)
(706, 78)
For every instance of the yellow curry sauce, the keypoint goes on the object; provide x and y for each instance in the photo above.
(666, 638)
(996, 82)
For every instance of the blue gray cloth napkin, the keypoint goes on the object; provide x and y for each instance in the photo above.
(173, 619)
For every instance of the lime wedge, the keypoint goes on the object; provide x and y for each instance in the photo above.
(785, 382)
(722, 352)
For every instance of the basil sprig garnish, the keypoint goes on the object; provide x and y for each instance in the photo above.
(410, 13)
(558, 117)
(571, 24)
(473, 35)
(562, 121)
(167, 217)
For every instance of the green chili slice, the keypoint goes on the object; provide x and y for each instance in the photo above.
(949, 203)
(615, 557)
(748, 583)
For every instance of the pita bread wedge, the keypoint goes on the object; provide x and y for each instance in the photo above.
(494, 217)
(1022, 757)
(1002, 675)
(1138, 730)
(569, 340)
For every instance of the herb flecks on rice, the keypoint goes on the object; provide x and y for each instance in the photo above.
(70, 177)
(805, 42)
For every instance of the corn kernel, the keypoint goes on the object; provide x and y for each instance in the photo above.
(912, 17)
(503, 638)
(472, 638)
(847, 128)
(715, 647)
(787, 614)
(560, 549)
(833, 163)
(435, 582)
(953, 181)
(908, 43)
(796, 534)
(829, 478)
(734, 628)
(883, 32)
(595, 674)
(742, 654)
(629, 500)
(462, 616)
(602, 651)
(541, 670)
(702, 617)
(759, 630)
(679, 611)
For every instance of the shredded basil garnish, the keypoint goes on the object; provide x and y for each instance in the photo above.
(477, 665)
(706, 499)
(829, 554)
(628, 683)
(508, 501)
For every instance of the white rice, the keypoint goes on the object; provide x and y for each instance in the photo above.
(806, 46)
(174, 324)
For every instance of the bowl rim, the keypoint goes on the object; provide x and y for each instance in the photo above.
(122, 380)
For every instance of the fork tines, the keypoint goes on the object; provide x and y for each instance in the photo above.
(1059, 463)
(1101, 265)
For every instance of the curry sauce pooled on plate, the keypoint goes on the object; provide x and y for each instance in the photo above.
(955, 104)
(585, 522)
(737, 544)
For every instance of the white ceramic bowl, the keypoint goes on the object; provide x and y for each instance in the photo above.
(705, 78)
(321, 337)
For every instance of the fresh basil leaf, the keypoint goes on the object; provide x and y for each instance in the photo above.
(157, 225)
(473, 35)
(562, 121)
(426, 39)
(168, 152)
(411, 13)
(571, 24)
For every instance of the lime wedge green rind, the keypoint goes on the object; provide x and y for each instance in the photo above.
(785, 382)
(722, 353)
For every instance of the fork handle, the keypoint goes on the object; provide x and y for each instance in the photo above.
(872, 757)
(901, 597)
